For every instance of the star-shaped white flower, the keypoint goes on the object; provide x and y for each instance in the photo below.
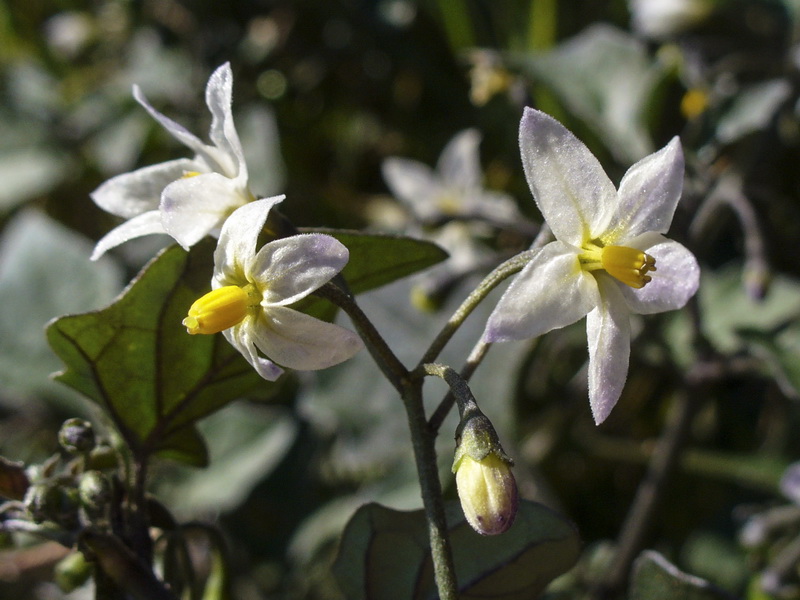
(252, 291)
(454, 189)
(609, 259)
(187, 198)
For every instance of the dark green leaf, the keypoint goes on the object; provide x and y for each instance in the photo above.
(655, 578)
(384, 554)
(136, 360)
(376, 260)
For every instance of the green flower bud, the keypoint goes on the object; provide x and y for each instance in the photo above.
(76, 436)
(72, 571)
(486, 486)
(94, 491)
(53, 500)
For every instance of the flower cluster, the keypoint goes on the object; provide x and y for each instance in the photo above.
(208, 194)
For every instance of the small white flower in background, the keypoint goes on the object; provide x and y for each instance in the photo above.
(609, 259)
(252, 291)
(454, 189)
(187, 198)
(659, 19)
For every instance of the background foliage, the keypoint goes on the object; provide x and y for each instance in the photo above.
(350, 83)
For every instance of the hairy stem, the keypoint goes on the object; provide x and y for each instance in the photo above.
(425, 455)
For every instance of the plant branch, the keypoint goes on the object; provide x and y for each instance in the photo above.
(386, 360)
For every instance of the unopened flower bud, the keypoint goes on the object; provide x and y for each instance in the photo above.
(486, 486)
(94, 491)
(76, 436)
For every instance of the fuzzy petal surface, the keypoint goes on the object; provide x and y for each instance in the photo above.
(145, 224)
(241, 338)
(290, 268)
(570, 187)
(298, 341)
(194, 206)
(648, 195)
(608, 332)
(219, 97)
(459, 164)
(552, 291)
(178, 131)
(675, 280)
(237, 241)
(131, 194)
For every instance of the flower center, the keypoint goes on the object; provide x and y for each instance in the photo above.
(220, 309)
(628, 265)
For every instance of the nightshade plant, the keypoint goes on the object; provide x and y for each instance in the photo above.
(271, 294)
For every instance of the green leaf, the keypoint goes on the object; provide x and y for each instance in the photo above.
(136, 360)
(45, 271)
(376, 259)
(384, 554)
(655, 578)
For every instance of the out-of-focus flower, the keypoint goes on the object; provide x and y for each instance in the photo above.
(187, 198)
(660, 19)
(609, 259)
(454, 189)
(486, 486)
(251, 293)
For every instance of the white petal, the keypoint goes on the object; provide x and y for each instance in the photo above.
(648, 195)
(675, 280)
(608, 331)
(219, 92)
(145, 224)
(570, 187)
(240, 337)
(301, 342)
(414, 184)
(237, 241)
(194, 206)
(459, 164)
(495, 206)
(290, 268)
(552, 291)
(131, 194)
(178, 131)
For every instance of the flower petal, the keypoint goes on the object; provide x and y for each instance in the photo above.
(648, 195)
(219, 94)
(145, 224)
(290, 268)
(131, 194)
(301, 342)
(236, 247)
(414, 184)
(182, 134)
(552, 291)
(570, 187)
(192, 207)
(459, 163)
(608, 331)
(675, 280)
(240, 337)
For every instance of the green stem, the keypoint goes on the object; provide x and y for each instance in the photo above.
(386, 360)
(505, 270)
(425, 456)
(474, 359)
(422, 437)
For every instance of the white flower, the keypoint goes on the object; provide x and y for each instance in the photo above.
(453, 190)
(661, 19)
(252, 291)
(609, 259)
(187, 198)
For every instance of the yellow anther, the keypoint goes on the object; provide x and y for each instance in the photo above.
(218, 310)
(694, 103)
(628, 265)
(187, 174)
